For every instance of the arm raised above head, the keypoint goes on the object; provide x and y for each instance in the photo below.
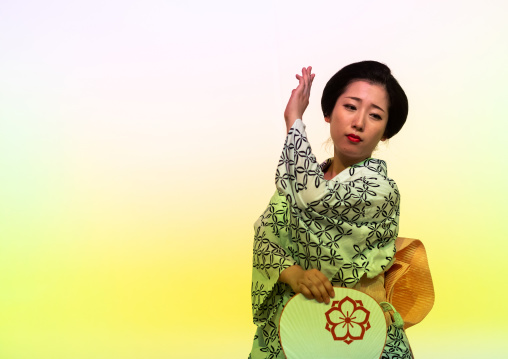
(299, 99)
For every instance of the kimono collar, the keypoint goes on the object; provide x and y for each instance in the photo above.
(372, 164)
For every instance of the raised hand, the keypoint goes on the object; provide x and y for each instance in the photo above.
(299, 99)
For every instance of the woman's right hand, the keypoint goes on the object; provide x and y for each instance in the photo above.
(311, 283)
(299, 99)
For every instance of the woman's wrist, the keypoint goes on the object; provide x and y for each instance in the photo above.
(291, 122)
(290, 273)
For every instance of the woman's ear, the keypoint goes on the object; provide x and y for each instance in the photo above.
(384, 138)
(327, 119)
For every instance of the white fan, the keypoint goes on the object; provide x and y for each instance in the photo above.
(351, 326)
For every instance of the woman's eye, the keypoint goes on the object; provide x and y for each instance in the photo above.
(376, 116)
(350, 107)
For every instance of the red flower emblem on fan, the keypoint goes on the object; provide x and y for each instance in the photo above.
(347, 320)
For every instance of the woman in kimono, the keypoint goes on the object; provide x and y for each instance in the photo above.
(335, 223)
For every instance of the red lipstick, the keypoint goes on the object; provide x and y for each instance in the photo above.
(353, 138)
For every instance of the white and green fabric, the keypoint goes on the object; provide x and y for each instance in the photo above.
(345, 227)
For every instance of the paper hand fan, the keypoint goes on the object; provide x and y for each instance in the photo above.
(351, 326)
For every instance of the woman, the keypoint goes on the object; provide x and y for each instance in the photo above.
(333, 224)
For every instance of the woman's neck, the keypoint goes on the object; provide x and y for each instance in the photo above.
(338, 165)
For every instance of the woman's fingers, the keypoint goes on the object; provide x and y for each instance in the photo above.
(311, 283)
(309, 76)
(299, 99)
(329, 288)
(322, 286)
(306, 79)
(306, 292)
(317, 286)
(326, 284)
(311, 291)
(320, 294)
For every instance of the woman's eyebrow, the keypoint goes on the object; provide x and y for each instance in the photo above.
(360, 100)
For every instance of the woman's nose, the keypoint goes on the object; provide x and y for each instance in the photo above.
(358, 122)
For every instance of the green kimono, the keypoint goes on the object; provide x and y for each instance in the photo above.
(345, 227)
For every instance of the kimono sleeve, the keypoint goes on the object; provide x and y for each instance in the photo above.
(355, 214)
(298, 175)
(272, 253)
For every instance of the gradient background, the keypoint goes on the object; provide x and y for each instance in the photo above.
(138, 144)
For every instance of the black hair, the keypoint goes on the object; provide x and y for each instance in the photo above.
(374, 72)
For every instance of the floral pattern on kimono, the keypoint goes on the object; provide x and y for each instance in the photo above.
(346, 227)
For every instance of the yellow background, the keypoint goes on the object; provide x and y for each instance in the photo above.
(138, 144)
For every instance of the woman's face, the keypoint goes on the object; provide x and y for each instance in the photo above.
(358, 121)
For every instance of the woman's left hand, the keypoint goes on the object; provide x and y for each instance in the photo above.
(299, 99)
